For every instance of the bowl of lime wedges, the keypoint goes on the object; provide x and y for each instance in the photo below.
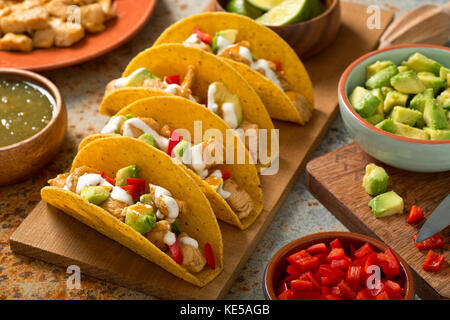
(309, 26)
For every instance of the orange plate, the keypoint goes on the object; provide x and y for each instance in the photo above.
(132, 15)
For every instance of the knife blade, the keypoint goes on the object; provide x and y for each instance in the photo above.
(437, 221)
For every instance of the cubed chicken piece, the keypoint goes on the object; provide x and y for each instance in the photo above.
(193, 259)
(156, 235)
(44, 38)
(92, 17)
(59, 9)
(24, 20)
(239, 200)
(16, 42)
(108, 9)
(59, 181)
(304, 107)
(188, 81)
(5, 11)
(66, 33)
(233, 52)
(114, 207)
(154, 84)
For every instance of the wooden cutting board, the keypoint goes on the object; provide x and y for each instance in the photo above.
(335, 179)
(50, 235)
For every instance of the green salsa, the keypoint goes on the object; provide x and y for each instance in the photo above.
(25, 109)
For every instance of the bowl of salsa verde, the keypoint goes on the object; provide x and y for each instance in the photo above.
(33, 123)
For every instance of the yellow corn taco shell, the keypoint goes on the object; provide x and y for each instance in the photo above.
(167, 110)
(265, 44)
(111, 154)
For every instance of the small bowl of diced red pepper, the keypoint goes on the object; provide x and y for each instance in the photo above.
(337, 266)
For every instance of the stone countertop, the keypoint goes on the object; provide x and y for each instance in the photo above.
(82, 88)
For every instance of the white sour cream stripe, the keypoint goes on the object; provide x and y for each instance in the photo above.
(113, 125)
(158, 192)
(91, 179)
(169, 238)
(189, 241)
(121, 195)
(122, 81)
(162, 142)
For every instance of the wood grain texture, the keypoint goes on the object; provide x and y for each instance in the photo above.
(307, 38)
(335, 179)
(52, 236)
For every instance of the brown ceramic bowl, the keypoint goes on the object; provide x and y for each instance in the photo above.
(306, 38)
(21, 160)
(277, 265)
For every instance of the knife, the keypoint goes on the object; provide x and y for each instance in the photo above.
(437, 221)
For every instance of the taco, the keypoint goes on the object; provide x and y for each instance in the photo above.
(263, 58)
(233, 190)
(136, 196)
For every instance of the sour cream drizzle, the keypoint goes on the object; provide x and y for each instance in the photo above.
(158, 192)
(121, 195)
(223, 193)
(197, 161)
(141, 125)
(212, 105)
(91, 179)
(68, 184)
(189, 241)
(171, 205)
(121, 82)
(229, 115)
(169, 238)
(113, 125)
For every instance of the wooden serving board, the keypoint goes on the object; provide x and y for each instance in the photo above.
(50, 235)
(335, 179)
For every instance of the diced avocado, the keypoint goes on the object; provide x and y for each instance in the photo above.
(229, 35)
(402, 68)
(377, 93)
(95, 194)
(431, 81)
(375, 180)
(386, 204)
(385, 90)
(123, 174)
(129, 116)
(405, 115)
(444, 73)
(114, 124)
(140, 217)
(394, 98)
(377, 67)
(419, 100)
(146, 198)
(386, 125)
(444, 99)
(175, 228)
(222, 95)
(180, 148)
(137, 78)
(419, 63)
(364, 102)
(376, 118)
(148, 138)
(438, 134)
(382, 78)
(407, 82)
(434, 115)
(410, 132)
(420, 123)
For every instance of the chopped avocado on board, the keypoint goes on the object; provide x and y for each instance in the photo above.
(386, 204)
(411, 100)
(375, 180)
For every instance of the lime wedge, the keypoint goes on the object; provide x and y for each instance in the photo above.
(289, 11)
(264, 4)
(243, 8)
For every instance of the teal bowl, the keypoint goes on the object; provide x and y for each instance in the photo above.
(400, 152)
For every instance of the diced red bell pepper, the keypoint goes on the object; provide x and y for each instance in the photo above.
(322, 257)
(306, 264)
(278, 66)
(335, 291)
(372, 260)
(415, 214)
(393, 290)
(325, 290)
(363, 251)
(389, 262)
(174, 139)
(433, 261)
(346, 291)
(327, 270)
(352, 251)
(336, 254)
(332, 297)
(434, 242)
(293, 272)
(382, 296)
(131, 189)
(298, 255)
(175, 79)
(328, 281)
(225, 173)
(305, 295)
(209, 255)
(301, 285)
(204, 37)
(139, 184)
(364, 295)
(342, 264)
(282, 288)
(110, 180)
(317, 248)
(335, 244)
(353, 275)
(308, 276)
(286, 295)
(176, 253)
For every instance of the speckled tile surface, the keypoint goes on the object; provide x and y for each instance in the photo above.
(82, 88)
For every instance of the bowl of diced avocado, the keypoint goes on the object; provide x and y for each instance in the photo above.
(395, 102)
